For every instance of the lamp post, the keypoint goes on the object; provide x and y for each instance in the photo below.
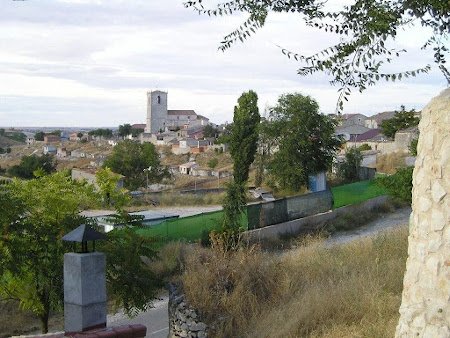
(147, 171)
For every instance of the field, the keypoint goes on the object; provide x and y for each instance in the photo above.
(187, 228)
(355, 193)
(315, 290)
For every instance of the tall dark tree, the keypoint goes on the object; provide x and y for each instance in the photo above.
(305, 138)
(244, 135)
(243, 141)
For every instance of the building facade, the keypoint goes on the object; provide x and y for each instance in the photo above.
(160, 119)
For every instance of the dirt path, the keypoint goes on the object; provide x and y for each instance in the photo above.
(385, 222)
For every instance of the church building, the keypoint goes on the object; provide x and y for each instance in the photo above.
(159, 118)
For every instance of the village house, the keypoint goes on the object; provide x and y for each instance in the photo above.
(374, 121)
(352, 119)
(62, 152)
(351, 132)
(50, 138)
(113, 142)
(186, 168)
(78, 153)
(49, 149)
(30, 140)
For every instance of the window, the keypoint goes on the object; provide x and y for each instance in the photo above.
(159, 99)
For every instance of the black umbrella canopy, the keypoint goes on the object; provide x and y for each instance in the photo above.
(83, 234)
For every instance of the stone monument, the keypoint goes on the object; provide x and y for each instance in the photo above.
(425, 308)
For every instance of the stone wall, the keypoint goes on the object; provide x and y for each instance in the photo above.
(183, 319)
(425, 309)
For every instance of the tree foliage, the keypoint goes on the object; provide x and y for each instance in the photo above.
(210, 131)
(39, 136)
(31, 251)
(399, 184)
(244, 135)
(366, 29)
(129, 158)
(37, 214)
(243, 143)
(402, 119)
(29, 164)
(413, 147)
(349, 169)
(305, 139)
(125, 129)
(104, 133)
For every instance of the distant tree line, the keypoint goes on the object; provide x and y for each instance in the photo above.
(39, 136)
(105, 133)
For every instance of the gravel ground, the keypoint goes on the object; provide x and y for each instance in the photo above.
(385, 222)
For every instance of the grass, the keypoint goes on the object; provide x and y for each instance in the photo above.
(355, 193)
(351, 290)
(187, 228)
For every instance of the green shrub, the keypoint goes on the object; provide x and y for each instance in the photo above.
(398, 185)
(365, 147)
(348, 170)
(413, 147)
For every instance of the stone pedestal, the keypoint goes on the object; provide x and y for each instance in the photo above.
(84, 291)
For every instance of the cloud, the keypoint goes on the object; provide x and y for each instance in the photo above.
(91, 62)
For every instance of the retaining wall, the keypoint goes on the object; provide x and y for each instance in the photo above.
(313, 223)
(183, 320)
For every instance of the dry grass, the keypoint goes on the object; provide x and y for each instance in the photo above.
(389, 163)
(353, 290)
(13, 321)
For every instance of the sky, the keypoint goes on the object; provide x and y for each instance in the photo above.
(89, 63)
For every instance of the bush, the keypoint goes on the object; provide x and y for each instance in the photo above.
(348, 170)
(413, 147)
(365, 147)
(398, 185)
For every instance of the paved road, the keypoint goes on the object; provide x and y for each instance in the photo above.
(385, 222)
(156, 319)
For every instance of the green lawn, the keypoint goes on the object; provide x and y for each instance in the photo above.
(186, 228)
(355, 193)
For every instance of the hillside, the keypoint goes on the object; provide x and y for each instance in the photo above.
(7, 142)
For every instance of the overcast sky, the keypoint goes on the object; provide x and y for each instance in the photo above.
(91, 62)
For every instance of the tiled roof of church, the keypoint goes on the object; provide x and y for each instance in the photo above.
(181, 112)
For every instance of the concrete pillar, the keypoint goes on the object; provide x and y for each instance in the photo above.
(84, 291)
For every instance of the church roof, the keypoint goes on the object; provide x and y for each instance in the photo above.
(181, 112)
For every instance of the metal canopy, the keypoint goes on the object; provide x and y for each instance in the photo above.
(83, 233)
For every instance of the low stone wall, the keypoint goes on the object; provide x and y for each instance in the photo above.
(183, 320)
(312, 223)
